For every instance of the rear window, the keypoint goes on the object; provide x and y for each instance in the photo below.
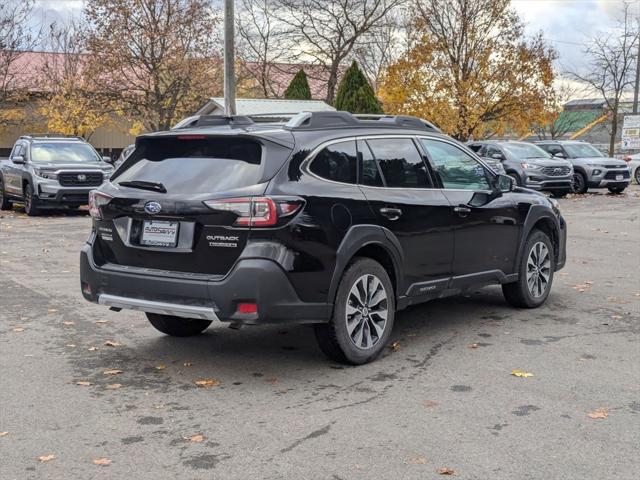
(337, 162)
(193, 163)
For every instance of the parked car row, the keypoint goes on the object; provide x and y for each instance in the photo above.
(557, 166)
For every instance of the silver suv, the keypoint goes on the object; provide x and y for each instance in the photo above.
(51, 171)
(592, 169)
(528, 165)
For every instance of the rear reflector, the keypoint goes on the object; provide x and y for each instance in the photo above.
(256, 211)
(247, 308)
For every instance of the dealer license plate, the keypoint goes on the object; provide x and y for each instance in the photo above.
(159, 234)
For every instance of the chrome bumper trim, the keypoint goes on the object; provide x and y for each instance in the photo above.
(185, 311)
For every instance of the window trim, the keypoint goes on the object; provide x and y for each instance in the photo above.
(470, 153)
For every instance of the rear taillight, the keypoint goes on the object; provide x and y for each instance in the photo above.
(96, 200)
(256, 211)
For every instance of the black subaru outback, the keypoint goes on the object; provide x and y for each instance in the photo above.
(328, 219)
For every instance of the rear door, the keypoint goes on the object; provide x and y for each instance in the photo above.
(487, 225)
(158, 218)
(397, 183)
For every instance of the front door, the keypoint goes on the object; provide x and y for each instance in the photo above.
(396, 182)
(13, 171)
(487, 224)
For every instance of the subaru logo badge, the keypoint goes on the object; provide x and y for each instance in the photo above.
(82, 177)
(152, 208)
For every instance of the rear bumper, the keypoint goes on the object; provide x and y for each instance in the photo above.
(254, 280)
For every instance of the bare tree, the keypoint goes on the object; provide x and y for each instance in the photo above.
(262, 43)
(158, 59)
(15, 39)
(611, 66)
(328, 30)
(557, 122)
(383, 45)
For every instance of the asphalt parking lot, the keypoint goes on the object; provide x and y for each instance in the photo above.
(273, 407)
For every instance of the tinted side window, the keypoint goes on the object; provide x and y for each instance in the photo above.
(18, 149)
(552, 149)
(370, 170)
(400, 162)
(337, 162)
(456, 169)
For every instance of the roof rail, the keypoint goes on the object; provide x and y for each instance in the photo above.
(213, 121)
(49, 135)
(317, 120)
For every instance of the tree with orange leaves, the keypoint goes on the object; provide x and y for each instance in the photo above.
(470, 70)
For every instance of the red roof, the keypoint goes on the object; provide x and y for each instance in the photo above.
(26, 72)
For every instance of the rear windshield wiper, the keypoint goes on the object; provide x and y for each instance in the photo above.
(142, 185)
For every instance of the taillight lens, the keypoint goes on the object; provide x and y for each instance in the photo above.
(256, 211)
(96, 200)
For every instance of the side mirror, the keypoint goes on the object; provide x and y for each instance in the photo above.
(559, 155)
(107, 159)
(504, 183)
(18, 160)
(497, 156)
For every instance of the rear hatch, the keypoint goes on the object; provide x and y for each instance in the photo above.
(157, 218)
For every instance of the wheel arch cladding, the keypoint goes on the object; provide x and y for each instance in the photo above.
(374, 242)
(540, 218)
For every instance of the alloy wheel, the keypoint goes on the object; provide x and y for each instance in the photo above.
(366, 312)
(638, 175)
(538, 269)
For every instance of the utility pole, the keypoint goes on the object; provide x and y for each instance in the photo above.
(637, 86)
(229, 60)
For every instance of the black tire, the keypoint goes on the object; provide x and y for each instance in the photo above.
(560, 193)
(177, 326)
(516, 178)
(616, 190)
(30, 201)
(5, 203)
(579, 183)
(334, 338)
(636, 175)
(518, 293)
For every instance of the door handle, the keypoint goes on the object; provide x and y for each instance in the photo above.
(462, 210)
(391, 213)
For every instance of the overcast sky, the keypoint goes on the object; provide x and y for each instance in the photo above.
(566, 24)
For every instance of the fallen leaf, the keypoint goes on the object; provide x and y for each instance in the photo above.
(446, 471)
(598, 414)
(520, 373)
(207, 382)
(473, 345)
(72, 345)
(161, 367)
(52, 310)
(195, 439)
(101, 461)
(112, 372)
(18, 329)
(102, 321)
(395, 346)
(67, 322)
(188, 364)
(111, 343)
(92, 349)
(83, 383)
(113, 386)
(616, 317)
(271, 381)
(429, 403)
(2, 434)
(46, 458)
(417, 461)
